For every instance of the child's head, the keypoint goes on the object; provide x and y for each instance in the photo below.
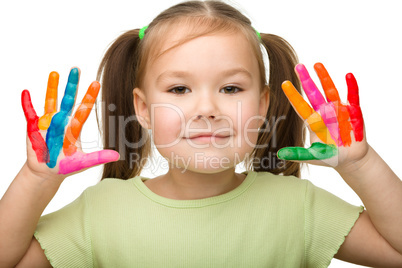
(189, 20)
(187, 48)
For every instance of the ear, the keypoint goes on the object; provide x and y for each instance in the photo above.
(264, 103)
(141, 108)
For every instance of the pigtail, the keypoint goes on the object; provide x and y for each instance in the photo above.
(121, 131)
(283, 127)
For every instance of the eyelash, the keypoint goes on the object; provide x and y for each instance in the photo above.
(175, 88)
(232, 87)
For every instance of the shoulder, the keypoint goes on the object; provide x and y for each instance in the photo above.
(278, 189)
(111, 190)
(277, 182)
(110, 184)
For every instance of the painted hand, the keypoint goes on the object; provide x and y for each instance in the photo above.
(337, 129)
(60, 152)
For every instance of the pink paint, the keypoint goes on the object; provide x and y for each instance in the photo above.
(80, 160)
(313, 94)
(326, 110)
(328, 114)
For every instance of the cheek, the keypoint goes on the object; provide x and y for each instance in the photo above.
(251, 121)
(166, 124)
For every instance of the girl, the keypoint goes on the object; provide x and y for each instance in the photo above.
(199, 86)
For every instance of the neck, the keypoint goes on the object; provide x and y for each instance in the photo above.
(188, 185)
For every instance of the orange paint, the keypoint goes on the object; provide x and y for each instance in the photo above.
(318, 126)
(327, 84)
(302, 107)
(80, 116)
(50, 102)
(345, 127)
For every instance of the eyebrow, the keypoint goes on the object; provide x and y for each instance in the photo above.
(183, 74)
(234, 71)
(176, 74)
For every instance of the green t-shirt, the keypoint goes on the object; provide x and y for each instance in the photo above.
(267, 221)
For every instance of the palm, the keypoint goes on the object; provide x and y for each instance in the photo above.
(345, 154)
(337, 130)
(52, 142)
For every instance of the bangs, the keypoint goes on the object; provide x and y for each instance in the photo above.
(179, 31)
(186, 29)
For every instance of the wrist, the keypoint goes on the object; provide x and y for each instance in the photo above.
(41, 180)
(353, 168)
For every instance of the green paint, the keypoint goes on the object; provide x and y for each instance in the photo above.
(317, 151)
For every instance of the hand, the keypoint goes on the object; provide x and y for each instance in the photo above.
(337, 129)
(60, 153)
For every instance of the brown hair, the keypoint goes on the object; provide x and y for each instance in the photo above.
(125, 62)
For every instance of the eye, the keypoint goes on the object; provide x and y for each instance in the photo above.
(230, 90)
(179, 90)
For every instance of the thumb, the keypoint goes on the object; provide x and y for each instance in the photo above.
(317, 151)
(79, 161)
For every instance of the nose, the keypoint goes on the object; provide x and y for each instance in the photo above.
(207, 105)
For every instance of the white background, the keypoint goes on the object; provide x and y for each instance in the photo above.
(38, 37)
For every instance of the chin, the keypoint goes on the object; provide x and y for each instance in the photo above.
(204, 171)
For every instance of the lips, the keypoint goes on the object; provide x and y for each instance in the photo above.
(207, 135)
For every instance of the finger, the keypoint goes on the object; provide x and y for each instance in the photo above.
(355, 112)
(327, 110)
(313, 94)
(329, 116)
(327, 84)
(68, 100)
(80, 116)
(345, 126)
(353, 90)
(51, 93)
(55, 133)
(317, 151)
(297, 100)
(50, 102)
(37, 141)
(312, 118)
(29, 111)
(333, 96)
(79, 160)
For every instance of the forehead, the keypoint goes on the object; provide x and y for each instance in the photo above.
(186, 28)
(184, 48)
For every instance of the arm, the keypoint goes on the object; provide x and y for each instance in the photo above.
(34, 255)
(20, 209)
(48, 164)
(338, 132)
(377, 235)
(365, 246)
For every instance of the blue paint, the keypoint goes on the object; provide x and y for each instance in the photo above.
(55, 132)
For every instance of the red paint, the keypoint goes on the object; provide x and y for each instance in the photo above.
(355, 112)
(37, 141)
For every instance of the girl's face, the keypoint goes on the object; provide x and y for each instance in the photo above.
(203, 102)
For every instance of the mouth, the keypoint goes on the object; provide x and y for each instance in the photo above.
(207, 137)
